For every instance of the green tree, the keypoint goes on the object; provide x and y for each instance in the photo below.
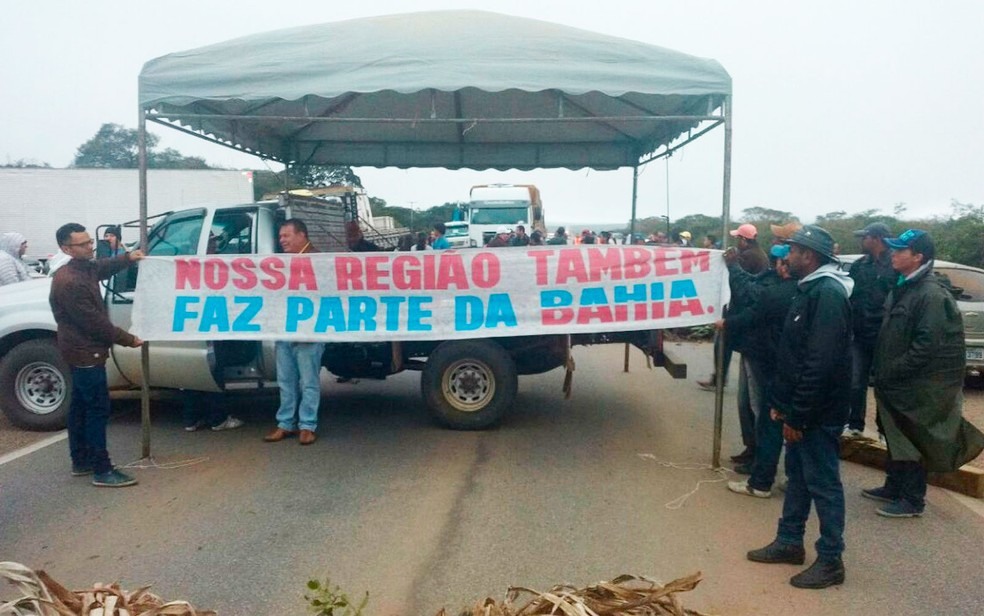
(115, 147)
(266, 182)
(26, 163)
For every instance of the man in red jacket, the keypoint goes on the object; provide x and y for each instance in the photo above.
(85, 335)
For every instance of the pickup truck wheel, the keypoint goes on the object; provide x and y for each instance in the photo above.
(469, 384)
(35, 386)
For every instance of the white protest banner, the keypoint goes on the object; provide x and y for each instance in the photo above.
(435, 295)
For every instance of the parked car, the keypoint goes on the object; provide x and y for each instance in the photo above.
(968, 288)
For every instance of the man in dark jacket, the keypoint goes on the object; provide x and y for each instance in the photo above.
(873, 279)
(919, 372)
(85, 335)
(811, 397)
(760, 326)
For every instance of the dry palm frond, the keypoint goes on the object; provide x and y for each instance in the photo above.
(43, 596)
(626, 595)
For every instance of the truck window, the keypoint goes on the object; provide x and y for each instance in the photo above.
(232, 233)
(500, 215)
(177, 236)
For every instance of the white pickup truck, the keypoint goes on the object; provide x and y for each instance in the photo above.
(467, 384)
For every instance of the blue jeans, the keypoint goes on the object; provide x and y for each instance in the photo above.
(906, 480)
(298, 370)
(813, 468)
(768, 435)
(861, 358)
(88, 415)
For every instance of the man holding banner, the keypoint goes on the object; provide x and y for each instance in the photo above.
(298, 363)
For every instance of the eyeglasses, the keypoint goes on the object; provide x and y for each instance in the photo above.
(86, 243)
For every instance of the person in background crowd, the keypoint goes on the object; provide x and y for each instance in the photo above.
(356, 240)
(85, 335)
(520, 238)
(588, 237)
(421, 243)
(782, 233)
(536, 238)
(440, 242)
(204, 409)
(501, 239)
(711, 241)
(685, 238)
(762, 326)
(810, 395)
(12, 249)
(559, 238)
(837, 249)
(873, 281)
(919, 374)
(606, 237)
(115, 241)
(298, 363)
(752, 259)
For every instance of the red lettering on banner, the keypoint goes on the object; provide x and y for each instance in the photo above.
(406, 272)
(246, 277)
(557, 316)
(662, 260)
(540, 258)
(570, 264)
(272, 267)
(187, 274)
(376, 273)
(216, 274)
(679, 306)
(636, 263)
(486, 271)
(699, 259)
(302, 274)
(659, 311)
(348, 273)
(605, 264)
(451, 271)
(601, 314)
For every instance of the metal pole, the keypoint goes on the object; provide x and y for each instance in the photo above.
(145, 349)
(635, 194)
(719, 355)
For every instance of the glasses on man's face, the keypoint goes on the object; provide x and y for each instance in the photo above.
(85, 243)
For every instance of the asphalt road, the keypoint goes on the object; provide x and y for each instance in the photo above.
(423, 517)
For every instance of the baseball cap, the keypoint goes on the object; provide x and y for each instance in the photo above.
(779, 251)
(685, 234)
(916, 239)
(875, 229)
(505, 230)
(747, 231)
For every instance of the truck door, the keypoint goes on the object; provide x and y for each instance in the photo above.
(188, 365)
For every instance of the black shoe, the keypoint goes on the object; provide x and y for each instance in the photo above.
(777, 552)
(882, 494)
(744, 457)
(743, 469)
(822, 573)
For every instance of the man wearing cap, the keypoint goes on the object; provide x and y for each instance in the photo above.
(919, 371)
(873, 279)
(501, 239)
(811, 396)
(559, 238)
(685, 238)
(781, 233)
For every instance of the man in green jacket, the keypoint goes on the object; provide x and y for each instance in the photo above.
(919, 372)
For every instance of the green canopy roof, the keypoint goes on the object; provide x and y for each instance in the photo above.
(454, 89)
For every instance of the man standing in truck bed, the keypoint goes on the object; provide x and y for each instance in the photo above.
(85, 334)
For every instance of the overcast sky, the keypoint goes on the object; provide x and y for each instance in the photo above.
(839, 105)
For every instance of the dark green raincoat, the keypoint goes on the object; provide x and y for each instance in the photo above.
(919, 372)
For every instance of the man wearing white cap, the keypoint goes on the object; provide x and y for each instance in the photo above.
(501, 239)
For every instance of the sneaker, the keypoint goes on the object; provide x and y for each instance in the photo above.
(743, 469)
(192, 428)
(823, 573)
(708, 385)
(230, 423)
(81, 470)
(113, 479)
(881, 494)
(852, 433)
(742, 487)
(900, 508)
(747, 455)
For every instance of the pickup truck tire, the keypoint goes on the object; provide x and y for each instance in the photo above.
(35, 386)
(469, 384)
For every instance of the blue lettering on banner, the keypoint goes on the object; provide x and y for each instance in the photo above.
(182, 312)
(556, 299)
(298, 309)
(244, 322)
(468, 313)
(593, 296)
(416, 314)
(682, 288)
(624, 295)
(392, 305)
(330, 314)
(500, 311)
(362, 314)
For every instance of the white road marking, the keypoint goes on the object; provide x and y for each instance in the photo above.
(23, 451)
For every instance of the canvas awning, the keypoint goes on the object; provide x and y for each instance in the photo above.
(453, 89)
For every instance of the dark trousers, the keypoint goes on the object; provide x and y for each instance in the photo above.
(906, 480)
(718, 344)
(751, 398)
(861, 358)
(813, 468)
(768, 436)
(88, 415)
(201, 407)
